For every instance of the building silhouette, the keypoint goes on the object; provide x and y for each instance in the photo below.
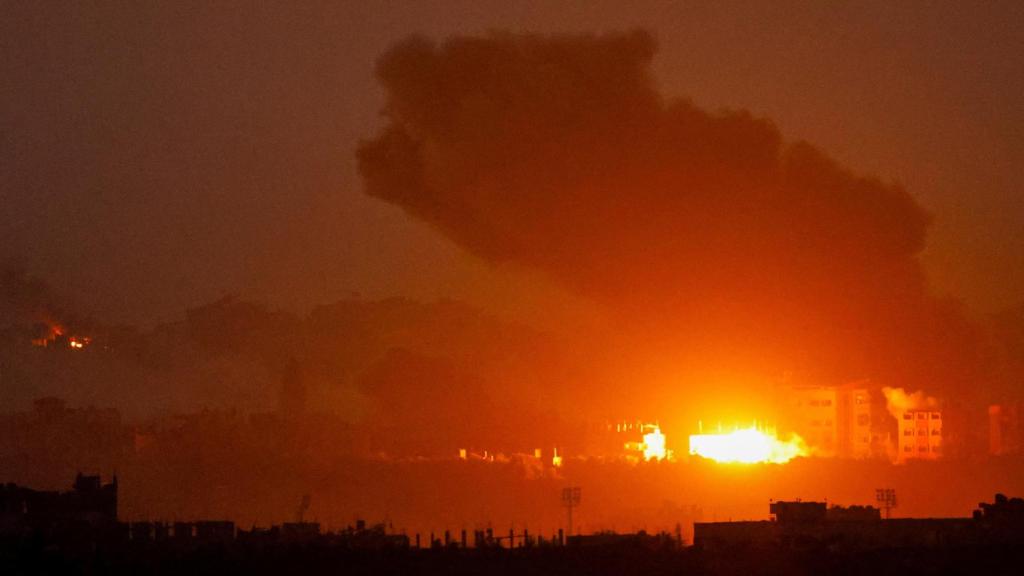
(811, 524)
(89, 504)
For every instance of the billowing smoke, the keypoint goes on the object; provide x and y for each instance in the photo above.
(28, 304)
(708, 237)
(22, 297)
(898, 401)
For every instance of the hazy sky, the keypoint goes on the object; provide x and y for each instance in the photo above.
(155, 157)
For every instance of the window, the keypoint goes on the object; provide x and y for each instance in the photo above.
(815, 403)
(936, 432)
(908, 432)
(922, 449)
(936, 415)
(936, 448)
(908, 416)
(922, 416)
(826, 402)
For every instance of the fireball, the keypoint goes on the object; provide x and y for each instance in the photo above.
(654, 445)
(747, 446)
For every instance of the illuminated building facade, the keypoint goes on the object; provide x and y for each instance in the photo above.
(854, 420)
(651, 445)
(813, 414)
(832, 420)
(920, 435)
(628, 438)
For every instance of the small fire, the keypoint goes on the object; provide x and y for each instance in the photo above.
(53, 331)
(747, 446)
(78, 343)
(56, 333)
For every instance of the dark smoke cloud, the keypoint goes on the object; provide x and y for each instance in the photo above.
(340, 359)
(707, 235)
(29, 303)
(22, 297)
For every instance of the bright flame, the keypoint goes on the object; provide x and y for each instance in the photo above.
(79, 342)
(654, 445)
(747, 446)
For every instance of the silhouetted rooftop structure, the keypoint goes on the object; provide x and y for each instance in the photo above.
(89, 504)
(1002, 511)
(861, 527)
(787, 512)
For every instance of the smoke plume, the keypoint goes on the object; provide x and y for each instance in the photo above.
(706, 235)
(898, 401)
(29, 303)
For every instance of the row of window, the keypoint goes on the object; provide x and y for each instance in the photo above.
(922, 448)
(922, 432)
(922, 415)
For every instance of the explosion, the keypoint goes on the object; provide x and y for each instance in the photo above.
(654, 445)
(691, 229)
(747, 446)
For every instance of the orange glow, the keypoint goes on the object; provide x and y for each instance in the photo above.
(52, 334)
(747, 446)
(654, 445)
(78, 343)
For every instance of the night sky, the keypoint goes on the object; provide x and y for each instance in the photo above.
(153, 158)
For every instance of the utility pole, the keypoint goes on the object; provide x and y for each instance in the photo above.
(886, 498)
(571, 499)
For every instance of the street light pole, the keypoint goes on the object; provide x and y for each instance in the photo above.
(571, 499)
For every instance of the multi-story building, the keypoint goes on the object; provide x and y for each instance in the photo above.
(813, 414)
(619, 438)
(854, 418)
(832, 420)
(920, 435)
